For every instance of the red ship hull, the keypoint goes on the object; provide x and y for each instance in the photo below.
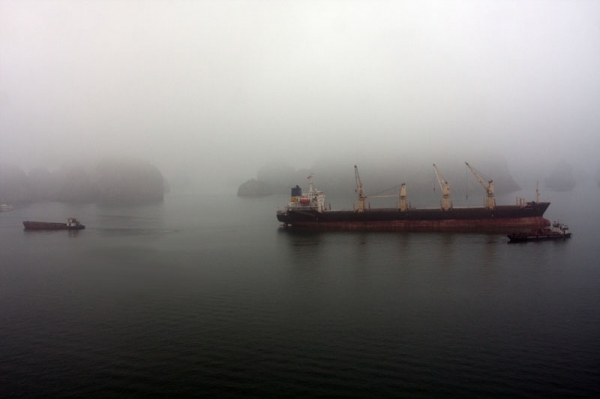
(501, 219)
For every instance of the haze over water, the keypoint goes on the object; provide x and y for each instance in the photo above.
(206, 295)
(211, 91)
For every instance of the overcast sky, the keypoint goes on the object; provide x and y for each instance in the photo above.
(207, 84)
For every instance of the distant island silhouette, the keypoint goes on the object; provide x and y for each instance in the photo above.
(109, 181)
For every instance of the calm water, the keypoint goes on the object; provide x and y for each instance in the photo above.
(206, 295)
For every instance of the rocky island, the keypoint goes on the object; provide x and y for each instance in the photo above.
(561, 178)
(254, 188)
(110, 181)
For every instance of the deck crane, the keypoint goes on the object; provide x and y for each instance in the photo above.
(404, 204)
(490, 202)
(360, 190)
(446, 201)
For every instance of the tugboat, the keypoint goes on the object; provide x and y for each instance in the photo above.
(72, 224)
(559, 231)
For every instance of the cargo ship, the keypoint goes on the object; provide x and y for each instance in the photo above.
(310, 210)
(72, 224)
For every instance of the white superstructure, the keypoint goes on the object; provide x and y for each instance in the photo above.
(313, 199)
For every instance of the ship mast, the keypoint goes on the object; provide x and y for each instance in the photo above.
(490, 202)
(360, 190)
(310, 183)
(446, 202)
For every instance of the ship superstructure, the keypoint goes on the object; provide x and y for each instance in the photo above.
(313, 200)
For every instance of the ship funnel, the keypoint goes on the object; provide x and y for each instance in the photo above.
(296, 192)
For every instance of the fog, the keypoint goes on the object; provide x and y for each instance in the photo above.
(214, 90)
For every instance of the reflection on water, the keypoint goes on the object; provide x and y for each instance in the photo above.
(131, 231)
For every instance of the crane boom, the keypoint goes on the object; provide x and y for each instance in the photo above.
(446, 202)
(490, 202)
(360, 190)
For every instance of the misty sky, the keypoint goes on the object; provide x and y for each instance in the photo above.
(224, 86)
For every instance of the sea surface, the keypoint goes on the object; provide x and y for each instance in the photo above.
(207, 296)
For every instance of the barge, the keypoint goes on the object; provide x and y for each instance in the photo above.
(72, 224)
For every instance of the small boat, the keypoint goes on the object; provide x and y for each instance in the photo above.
(5, 207)
(72, 224)
(559, 231)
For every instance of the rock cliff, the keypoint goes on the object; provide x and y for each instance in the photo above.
(114, 181)
(254, 188)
